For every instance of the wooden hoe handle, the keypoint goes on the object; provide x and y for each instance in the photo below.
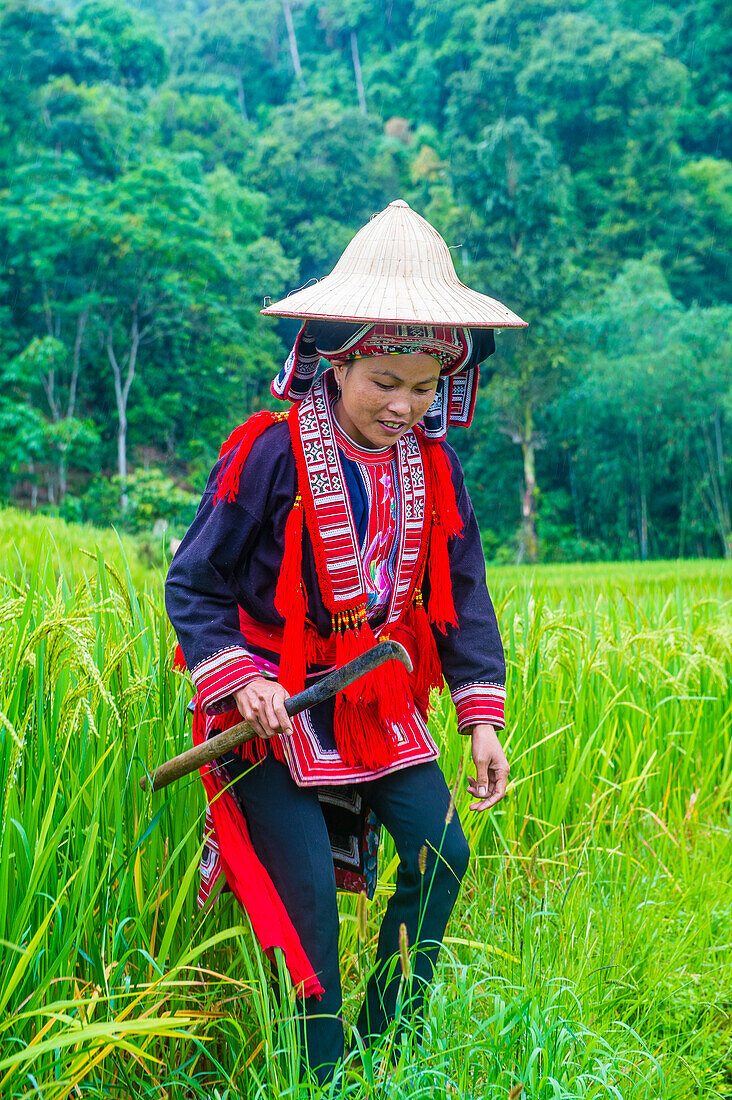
(340, 678)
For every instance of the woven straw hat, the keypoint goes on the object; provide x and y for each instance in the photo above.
(396, 269)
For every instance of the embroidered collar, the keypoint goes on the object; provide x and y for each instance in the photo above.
(369, 456)
(329, 516)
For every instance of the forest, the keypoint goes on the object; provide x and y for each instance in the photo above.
(166, 165)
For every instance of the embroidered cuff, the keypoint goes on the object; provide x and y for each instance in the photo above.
(479, 702)
(219, 676)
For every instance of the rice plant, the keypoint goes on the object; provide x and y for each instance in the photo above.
(590, 953)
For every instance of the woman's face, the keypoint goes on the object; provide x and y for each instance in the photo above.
(383, 396)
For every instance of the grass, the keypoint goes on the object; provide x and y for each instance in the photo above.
(69, 545)
(590, 952)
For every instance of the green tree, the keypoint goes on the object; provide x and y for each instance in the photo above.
(649, 415)
(342, 23)
(204, 124)
(55, 286)
(515, 223)
(241, 40)
(704, 205)
(22, 429)
(325, 173)
(35, 45)
(151, 263)
(115, 43)
(168, 271)
(611, 101)
(43, 444)
(94, 123)
(491, 48)
(703, 40)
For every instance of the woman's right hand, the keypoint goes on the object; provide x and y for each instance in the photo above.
(262, 703)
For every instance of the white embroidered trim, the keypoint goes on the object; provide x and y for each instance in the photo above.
(220, 656)
(220, 675)
(479, 701)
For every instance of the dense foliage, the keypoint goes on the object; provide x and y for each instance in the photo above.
(164, 167)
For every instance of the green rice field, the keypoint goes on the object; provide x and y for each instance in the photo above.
(591, 951)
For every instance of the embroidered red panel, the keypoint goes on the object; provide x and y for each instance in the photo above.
(310, 764)
(329, 516)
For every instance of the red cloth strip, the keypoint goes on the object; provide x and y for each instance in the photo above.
(480, 702)
(249, 880)
(319, 650)
(222, 674)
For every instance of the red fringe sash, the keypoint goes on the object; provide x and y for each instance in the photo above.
(248, 878)
(446, 524)
(243, 439)
(365, 711)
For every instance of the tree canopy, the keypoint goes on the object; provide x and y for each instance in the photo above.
(164, 166)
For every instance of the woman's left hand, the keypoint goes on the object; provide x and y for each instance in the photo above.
(491, 768)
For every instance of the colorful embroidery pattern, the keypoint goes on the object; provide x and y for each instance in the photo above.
(479, 701)
(377, 470)
(344, 585)
(311, 764)
(449, 345)
(220, 675)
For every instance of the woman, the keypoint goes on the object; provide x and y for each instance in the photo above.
(343, 522)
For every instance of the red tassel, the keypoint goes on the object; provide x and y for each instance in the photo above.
(428, 670)
(386, 689)
(242, 439)
(361, 738)
(255, 750)
(441, 607)
(394, 695)
(443, 490)
(446, 523)
(348, 644)
(179, 661)
(353, 636)
(291, 603)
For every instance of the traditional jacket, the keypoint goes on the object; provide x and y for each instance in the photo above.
(295, 561)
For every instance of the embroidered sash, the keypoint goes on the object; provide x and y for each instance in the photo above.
(370, 713)
(330, 518)
(367, 712)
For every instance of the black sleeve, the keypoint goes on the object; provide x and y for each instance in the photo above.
(472, 652)
(210, 568)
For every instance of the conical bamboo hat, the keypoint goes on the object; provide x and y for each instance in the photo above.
(396, 269)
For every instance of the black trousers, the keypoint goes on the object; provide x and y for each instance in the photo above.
(290, 838)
